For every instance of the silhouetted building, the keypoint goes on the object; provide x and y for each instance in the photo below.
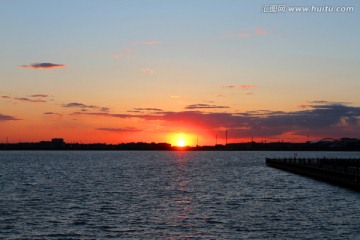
(58, 142)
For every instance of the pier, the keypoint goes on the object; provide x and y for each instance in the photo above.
(341, 171)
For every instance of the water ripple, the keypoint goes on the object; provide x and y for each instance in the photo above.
(168, 195)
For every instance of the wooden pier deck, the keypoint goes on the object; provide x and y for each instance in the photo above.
(341, 171)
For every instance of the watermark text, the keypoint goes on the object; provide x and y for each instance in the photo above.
(282, 8)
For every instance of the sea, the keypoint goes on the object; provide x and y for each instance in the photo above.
(169, 195)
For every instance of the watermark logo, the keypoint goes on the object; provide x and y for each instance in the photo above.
(282, 8)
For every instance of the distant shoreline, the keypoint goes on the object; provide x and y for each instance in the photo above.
(343, 144)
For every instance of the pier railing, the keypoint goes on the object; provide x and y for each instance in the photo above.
(345, 171)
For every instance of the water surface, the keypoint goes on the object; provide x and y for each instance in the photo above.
(169, 195)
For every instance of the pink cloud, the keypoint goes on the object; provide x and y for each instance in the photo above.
(260, 31)
(244, 35)
(247, 86)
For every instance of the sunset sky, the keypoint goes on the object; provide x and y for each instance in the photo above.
(157, 71)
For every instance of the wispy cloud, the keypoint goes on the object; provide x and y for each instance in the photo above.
(249, 86)
(257, 31)
(104, 114)
(260, 31)
(148, 109)
(4, 118)
(35, 98)
(243, 87)
(39, 95)
(78, 105)
(85, 107)
(243, 35)
(147, 71)
(127, 53)
(30, 100)
(310, 104)
(146, 43)
(39, 66)
(119, 130)
(204, 106)
(53, 113)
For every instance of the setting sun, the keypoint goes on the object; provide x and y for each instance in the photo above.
(180, 139)
(181, 142)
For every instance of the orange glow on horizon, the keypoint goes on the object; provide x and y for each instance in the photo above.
(180, 139)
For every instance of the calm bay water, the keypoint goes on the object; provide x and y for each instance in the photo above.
(169, 195)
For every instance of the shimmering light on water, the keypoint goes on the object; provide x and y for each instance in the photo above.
(168, 195)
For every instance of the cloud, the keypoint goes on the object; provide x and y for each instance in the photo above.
(249, 86)
(147, 109)
(127, 53)
(260, 31)
(243, 35)
(53, 113)
(243, 87)
(104, 114)
(85, 107)
(204, 106)
(4, 118)
(310, 104)
(30, 100)
(326, 120)
(104, 109)
(119, 130)
(40, 95)
(7, 97)
(43, 66)
(78, 105)
(147, 71)
(146, 43)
